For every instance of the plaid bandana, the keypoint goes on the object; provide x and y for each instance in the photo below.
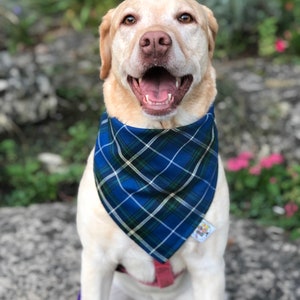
(157, 184)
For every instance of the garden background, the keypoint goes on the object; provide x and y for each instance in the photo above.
(50, 102)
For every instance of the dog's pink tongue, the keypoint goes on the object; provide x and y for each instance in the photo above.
(157, 86)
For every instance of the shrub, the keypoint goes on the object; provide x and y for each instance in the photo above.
(24, 180)
(239, 22)
(267, 190)
(79, 14)
(25, 24)
(246, 27)
(289, 26)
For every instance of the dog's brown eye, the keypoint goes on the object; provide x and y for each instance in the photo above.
(129, 20)
(185, 18)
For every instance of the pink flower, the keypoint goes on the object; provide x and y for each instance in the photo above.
(273, 180)
(236, 164)
(281, 45)
(269, 161)
(290, 209)
(245, 155)
(240, 162)
(255, 170)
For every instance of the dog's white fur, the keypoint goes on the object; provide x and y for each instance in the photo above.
(104, 244)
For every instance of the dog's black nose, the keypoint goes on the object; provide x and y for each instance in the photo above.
(155, 44)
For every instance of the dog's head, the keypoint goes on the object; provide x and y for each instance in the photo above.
(156, 55)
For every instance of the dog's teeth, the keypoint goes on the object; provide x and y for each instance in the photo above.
(178, 81)
(168, 101)
(140, 80)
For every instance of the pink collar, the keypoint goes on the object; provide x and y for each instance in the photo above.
(164, 275)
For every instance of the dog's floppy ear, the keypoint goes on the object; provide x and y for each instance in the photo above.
(105, 44)
(212, 30)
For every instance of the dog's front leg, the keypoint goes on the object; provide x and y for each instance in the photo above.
(205, 263)
(96, 278)
(209, 281)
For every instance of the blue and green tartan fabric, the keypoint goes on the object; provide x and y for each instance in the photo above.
(157, 184)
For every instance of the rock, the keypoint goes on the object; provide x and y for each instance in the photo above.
(54, 163)
(40, 257)
(39, 253)
(258, 108)
(3, 85)
(26, 94)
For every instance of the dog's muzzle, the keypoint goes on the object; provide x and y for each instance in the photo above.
(158, 90)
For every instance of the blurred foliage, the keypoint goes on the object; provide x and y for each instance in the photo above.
(25, 180)
(248, 27)
(267, 36)
(252, 27)
(78, 13)
(238, 23)
(265, 189)
(25, 22)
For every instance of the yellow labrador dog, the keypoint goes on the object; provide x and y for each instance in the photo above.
(153, 201)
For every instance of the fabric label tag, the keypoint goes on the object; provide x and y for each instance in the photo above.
(203, 231)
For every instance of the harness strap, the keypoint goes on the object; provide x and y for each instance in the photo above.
(164, 275)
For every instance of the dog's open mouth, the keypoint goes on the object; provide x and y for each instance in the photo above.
(158, 91)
